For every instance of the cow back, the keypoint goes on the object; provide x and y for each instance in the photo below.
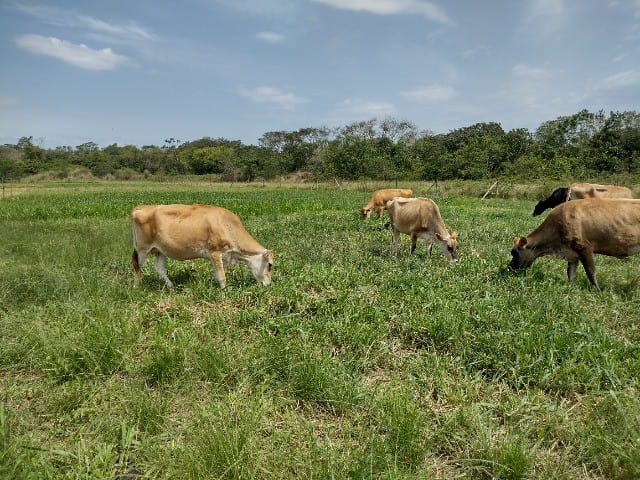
(608, 226)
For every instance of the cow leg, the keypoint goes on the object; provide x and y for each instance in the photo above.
(137, 260)
(414, 241)
(571, 270)
(394, 241)
(590, 267)
(218, 269)
(161, 267)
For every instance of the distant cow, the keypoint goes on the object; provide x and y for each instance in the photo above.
(185, 232)
(578, 191)
(420, 218)
(379, 199)
(578, 229)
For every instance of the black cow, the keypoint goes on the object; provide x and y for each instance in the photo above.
(558, 196)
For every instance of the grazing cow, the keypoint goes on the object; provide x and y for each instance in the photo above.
(379, 199)
(579, 191)
(185, 232)
(578, 229)
(420, 218)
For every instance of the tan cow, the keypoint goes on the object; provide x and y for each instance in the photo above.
(420, 218)
(378, 200)
(577, 191)
(576, 230)
(185, 232)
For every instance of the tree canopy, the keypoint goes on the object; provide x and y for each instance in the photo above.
(582, 144)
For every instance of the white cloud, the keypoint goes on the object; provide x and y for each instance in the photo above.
(362, 108)
(130, 30)
(475, 51)
(78, 55)
(69, 19)
(7, 100)
(546, 17)
(526, 71)
(628, 78)
(430, 93)
(282, 10)
(392, 7)
(273, 95)
(547, 8)
(270, 37)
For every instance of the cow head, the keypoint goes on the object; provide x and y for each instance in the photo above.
(365, 212)
(521, 256)
(261, 266)
(540, 207)
(558, 196)
(449, 245)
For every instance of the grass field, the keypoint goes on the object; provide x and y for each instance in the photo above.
(352, 364)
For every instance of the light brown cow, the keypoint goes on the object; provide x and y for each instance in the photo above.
(593, 190)
(576, 230)
(378, 200)
(420, 218)
(185, 232)
(577, 191)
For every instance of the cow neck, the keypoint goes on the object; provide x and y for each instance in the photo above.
(545, 238)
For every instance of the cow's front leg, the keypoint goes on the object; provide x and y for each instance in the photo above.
(218, 269)
(414, 241)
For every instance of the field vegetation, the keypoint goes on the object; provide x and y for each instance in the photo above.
(352, 364)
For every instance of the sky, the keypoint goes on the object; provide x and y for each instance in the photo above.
(138, 72)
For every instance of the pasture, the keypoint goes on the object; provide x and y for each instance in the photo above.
(352, 364)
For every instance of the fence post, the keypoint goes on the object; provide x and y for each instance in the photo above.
(495, 184)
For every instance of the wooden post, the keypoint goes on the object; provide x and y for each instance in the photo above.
(495, 185)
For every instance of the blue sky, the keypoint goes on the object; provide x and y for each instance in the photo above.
(139, 72)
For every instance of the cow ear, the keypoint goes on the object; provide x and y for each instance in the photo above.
(454, 235)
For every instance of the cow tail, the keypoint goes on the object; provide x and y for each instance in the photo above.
(135, 262)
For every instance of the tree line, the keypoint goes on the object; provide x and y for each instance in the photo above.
(581, 145)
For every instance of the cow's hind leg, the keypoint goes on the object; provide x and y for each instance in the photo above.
(414, 241)
(218, 269)
(571, 270)
(137, 260)
(394, 241)
(590, 268)
(161, 267)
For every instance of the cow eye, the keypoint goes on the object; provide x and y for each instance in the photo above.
(269, 266)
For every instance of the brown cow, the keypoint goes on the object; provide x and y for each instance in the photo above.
(420, 218)
(185, 232)
(580, 191)
(378, 200)
(576, 230)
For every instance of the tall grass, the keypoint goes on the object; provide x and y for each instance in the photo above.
(352, 364)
